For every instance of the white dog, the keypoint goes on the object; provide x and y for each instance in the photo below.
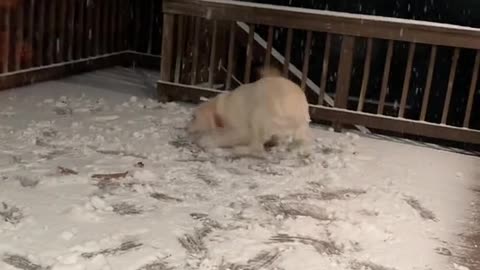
(272, 108)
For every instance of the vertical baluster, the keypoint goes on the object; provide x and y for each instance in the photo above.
(471, 93)
(105, 36)
(451, 80)
(40, 32)
(80, 30)
(90, 27)
(306, 60)
(288, 52)
(196, 44)
(167, 46)
(366, 75)
(326, 59)
(51, 32)
(344, 75)
(29, 35)
(268, 52)
(428, 85)
(386, 75)
(97, 27)
(406, 81)
(231, 54)
(113, 26)
(72, 16)
(180, 43)
(5, 45)
(248, 64)
(60, 31)
(213, 51)
(19, 44)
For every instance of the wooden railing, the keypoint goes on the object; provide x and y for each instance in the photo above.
(201, 51)
(48, 39)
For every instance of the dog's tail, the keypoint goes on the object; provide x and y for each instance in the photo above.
(269, 72)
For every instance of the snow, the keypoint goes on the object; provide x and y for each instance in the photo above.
(356, 203)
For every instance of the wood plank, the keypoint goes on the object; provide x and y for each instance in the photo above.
(51, 32)
(248, 64)
(61, 32)
(451, 80)
(406, 81)
(113, 27)
(328, 21)
(306, 60)
(366, 75)
(189, 93)
(167, 48)
(288, 52)
(231, 56)
(344, 76)
(29, 34)
(344, 72)
(213, 57)
(97, 28)
(121, 24)
(151, 26)
(268, 52)
(386, 75)
(40, 20)
(105, 21)
(325, 62)
(72, 16)
(56, 71)
(5, 39)
(90, 16)
(80, 30)
(196, 44)
(19, 43)
(180, 48)
(428, 85)
(137, 25)
(471, 92)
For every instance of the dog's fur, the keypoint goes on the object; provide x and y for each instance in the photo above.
(252, 115)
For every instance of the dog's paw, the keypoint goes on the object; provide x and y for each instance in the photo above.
(248, 151)
(206, 142)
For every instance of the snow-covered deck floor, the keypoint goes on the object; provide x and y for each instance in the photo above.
(357, 203)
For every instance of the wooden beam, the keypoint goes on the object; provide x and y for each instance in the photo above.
(386, 76)
(326, 59)
(167, 47)
(60, 70)
(471, 92)
(366, 75)
(288, 52)
(5, 13)
(306, 60)
(428, 85)
(332, 22)
(406, 81)
(344, 72)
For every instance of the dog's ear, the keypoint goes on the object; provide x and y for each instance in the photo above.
(218, 120)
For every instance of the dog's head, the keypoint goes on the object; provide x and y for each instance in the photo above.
(205, 118)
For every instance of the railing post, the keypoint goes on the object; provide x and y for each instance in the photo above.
(167, 50)
(344, 76)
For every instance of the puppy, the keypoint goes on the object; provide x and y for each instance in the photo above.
(252, 115)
